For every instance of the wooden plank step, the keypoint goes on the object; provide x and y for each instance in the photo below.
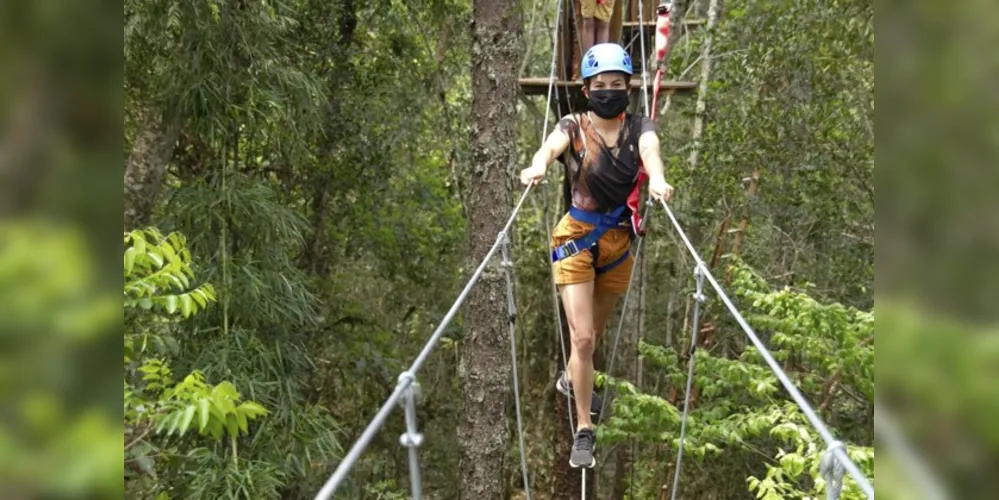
(539, 85)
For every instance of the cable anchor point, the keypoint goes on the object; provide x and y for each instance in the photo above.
(412, 437)
(507, 266)
(699, 272)
(832, 470)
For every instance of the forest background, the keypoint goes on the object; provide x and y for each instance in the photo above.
(317, 158)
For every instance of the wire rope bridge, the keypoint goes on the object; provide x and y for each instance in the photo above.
(835, 462)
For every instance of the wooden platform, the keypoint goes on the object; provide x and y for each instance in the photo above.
(539, 86)
(631, 26)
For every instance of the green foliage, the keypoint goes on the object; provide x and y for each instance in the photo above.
(158, 278)
(237, 61)
(315, 175)
(158, 273)
(741, 405)
(59, 435)
(792, 98)
(216, 409)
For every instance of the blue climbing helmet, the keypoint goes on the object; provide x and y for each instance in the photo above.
(605, 57)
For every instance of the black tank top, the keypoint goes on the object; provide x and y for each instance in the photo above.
(602, 177)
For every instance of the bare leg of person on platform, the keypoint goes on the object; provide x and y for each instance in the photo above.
(602, 30)
(589, 33)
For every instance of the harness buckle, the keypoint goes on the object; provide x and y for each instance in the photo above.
(572, 247)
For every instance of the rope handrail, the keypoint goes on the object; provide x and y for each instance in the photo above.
(833, 445)
(408, 377)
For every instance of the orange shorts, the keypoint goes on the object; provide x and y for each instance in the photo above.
(600, 10)
(579, 268)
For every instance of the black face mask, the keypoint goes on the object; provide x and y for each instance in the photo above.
(608, 104)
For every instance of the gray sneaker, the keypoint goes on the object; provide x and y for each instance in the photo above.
(582, 450)
(565, 387)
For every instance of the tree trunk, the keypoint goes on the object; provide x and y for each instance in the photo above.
(702, 88)
(484, 364)
(146, 165)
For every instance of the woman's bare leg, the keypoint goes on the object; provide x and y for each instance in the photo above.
(578, 301)
(603, 306)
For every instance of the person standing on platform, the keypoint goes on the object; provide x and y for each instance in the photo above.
(596, 24)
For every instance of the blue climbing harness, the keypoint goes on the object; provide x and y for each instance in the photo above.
(602, 223)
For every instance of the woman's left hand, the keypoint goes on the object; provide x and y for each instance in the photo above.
(659, 189)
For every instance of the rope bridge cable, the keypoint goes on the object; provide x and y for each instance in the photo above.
(512, 320)
(699, 299)
(834, 447)
(624, 314)
(404, 388)
(548, 224)
(638, 244)
(645, 56)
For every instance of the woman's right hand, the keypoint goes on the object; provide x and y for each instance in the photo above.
(533, 174)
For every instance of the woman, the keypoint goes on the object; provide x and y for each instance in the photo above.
(590, 245)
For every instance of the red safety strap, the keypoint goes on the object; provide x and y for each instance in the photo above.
(662, 42)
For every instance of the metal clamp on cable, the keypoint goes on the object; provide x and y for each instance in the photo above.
(832, 470)
(699, 299)
(412, 439)
(699, 277)
(507, 265)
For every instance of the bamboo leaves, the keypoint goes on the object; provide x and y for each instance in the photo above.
(158, 273)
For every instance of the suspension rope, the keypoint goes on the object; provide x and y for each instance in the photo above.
(407, 379)
(645, 74)
(834, 447)
(551, 77)
(544, 198)
(579, 38)
(695, 327)
(512, 319)
(620, 324)
(565, 355)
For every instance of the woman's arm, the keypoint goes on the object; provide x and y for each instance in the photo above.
(648, 148)
(554, 145)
